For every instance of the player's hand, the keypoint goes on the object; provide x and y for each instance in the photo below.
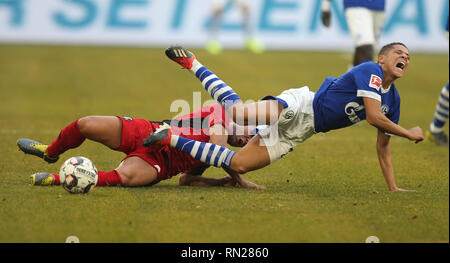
(247, 184)
(242, 183)
(416, 134)
(326, 18)
(257, 186)
(254, 186)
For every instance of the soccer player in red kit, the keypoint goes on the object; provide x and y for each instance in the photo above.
(144, 166)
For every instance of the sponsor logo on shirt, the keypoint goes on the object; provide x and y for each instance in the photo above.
(375, 82)
(351, 109)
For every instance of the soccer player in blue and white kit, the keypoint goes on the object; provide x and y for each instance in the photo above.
(365, 92)
(435, 132)
(365, 19)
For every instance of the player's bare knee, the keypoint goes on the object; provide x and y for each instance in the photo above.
(125, 176)
(239, 167)
(86, 125)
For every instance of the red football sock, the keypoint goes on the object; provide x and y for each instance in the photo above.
(56, 180)
(69, 137)
(108, 178)
(104, 178)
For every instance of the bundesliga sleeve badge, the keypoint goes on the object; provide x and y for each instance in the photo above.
(375, 82)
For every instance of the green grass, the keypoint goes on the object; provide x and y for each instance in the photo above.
(330, 189)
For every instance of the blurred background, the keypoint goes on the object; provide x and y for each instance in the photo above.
(278, 24)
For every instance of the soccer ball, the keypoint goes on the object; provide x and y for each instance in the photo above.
(78, 175)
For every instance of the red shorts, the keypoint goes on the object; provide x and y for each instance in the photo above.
(133, 132)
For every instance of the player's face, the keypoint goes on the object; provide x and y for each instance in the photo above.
(239, 140)
(396, 61)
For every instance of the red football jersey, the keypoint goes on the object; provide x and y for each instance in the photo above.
(193, 126)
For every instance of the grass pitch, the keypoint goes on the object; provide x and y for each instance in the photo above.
(329, 189)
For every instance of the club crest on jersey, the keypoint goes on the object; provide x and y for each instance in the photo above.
(127, 118)
(384, 109)
(375, 82)
(289, 115)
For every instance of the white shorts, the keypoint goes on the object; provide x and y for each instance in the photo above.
(365, 25)
(220, 4)
(295, 124)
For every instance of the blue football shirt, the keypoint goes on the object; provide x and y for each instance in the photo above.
(446, 27)
(339, 101)
(377, 5)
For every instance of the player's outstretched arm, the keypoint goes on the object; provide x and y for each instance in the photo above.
(375, 118)
(198, 180)
(238, 181)
(384, 157)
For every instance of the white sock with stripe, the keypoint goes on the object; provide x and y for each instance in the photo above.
(218, 89)
(442, 111)
(208, 153)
